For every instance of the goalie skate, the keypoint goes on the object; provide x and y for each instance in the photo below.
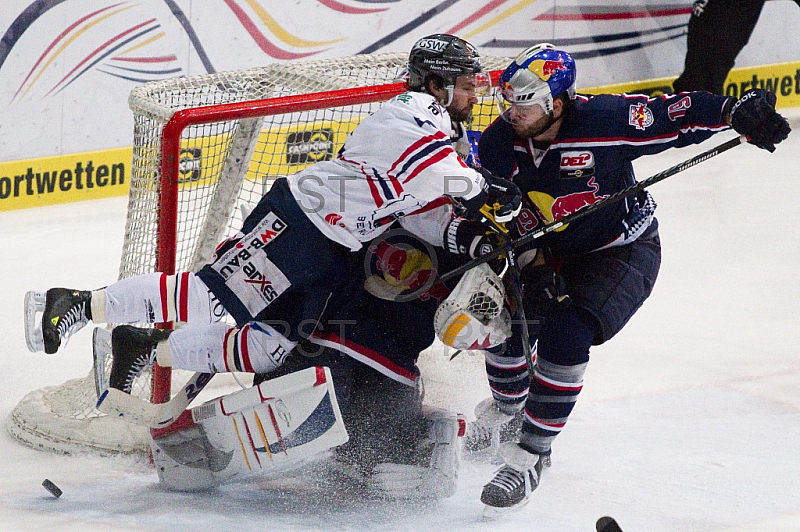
(101, 351)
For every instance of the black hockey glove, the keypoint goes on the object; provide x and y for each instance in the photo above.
(544, 292)
(499, 202)
(754, 115)
(473, 239)
(504, 199)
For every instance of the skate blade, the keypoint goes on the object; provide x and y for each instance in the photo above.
(101, 350)
(492, 513)
(34, 305)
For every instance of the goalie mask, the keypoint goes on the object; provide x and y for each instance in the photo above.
(474, 316)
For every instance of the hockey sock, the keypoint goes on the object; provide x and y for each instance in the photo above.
(98, 306)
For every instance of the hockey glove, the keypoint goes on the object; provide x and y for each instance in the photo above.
(500, 201)
(504, 200)
(544, 292)
(754, 115)
(471, 238)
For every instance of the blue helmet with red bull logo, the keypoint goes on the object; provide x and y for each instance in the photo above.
(536, 76)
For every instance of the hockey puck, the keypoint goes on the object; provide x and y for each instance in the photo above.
(54, 490)
(607, 524)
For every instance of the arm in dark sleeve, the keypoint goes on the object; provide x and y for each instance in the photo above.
(646, 125)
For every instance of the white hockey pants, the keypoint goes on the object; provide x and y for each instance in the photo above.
(203, 344)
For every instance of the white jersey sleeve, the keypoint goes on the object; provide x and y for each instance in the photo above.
(431, 222)
(393, 164)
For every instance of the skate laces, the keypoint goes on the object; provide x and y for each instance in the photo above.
(74, 320)
(508, 479)
(141, 363)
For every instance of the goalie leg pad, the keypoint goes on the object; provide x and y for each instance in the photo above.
(275, 425)
(435, 479)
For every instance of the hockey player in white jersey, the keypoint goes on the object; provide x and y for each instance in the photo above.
(297, 245)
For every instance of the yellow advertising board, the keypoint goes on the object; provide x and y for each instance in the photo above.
(286, 149)
(64, 178)
(782, 78)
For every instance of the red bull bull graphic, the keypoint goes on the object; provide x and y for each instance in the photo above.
(401, 267)
(640, 116)
(554, 209)
(544, 68)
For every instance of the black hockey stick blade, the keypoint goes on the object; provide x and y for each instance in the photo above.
(622, 194)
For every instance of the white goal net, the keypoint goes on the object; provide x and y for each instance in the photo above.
(206, 148)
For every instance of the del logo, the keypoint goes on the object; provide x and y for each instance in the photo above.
(431, 44)
(309, 146)
(576, 164)
(641, 117)
(679, 108)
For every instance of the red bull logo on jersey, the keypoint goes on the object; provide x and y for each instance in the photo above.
(553, 209)
(544, 68)
(402, 265)
(640, 116)
(400, 269)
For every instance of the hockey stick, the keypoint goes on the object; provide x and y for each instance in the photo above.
(622, 194)
(140, 412)
(135, 410)
(514, 270)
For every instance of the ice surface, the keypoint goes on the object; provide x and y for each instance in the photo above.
(689, 419)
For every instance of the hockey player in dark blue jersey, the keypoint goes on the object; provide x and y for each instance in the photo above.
(581, 284)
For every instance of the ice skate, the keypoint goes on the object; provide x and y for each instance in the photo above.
(64, 312)
(134, 350)
(512, 485)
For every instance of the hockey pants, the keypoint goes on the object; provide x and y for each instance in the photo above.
(204, 343)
